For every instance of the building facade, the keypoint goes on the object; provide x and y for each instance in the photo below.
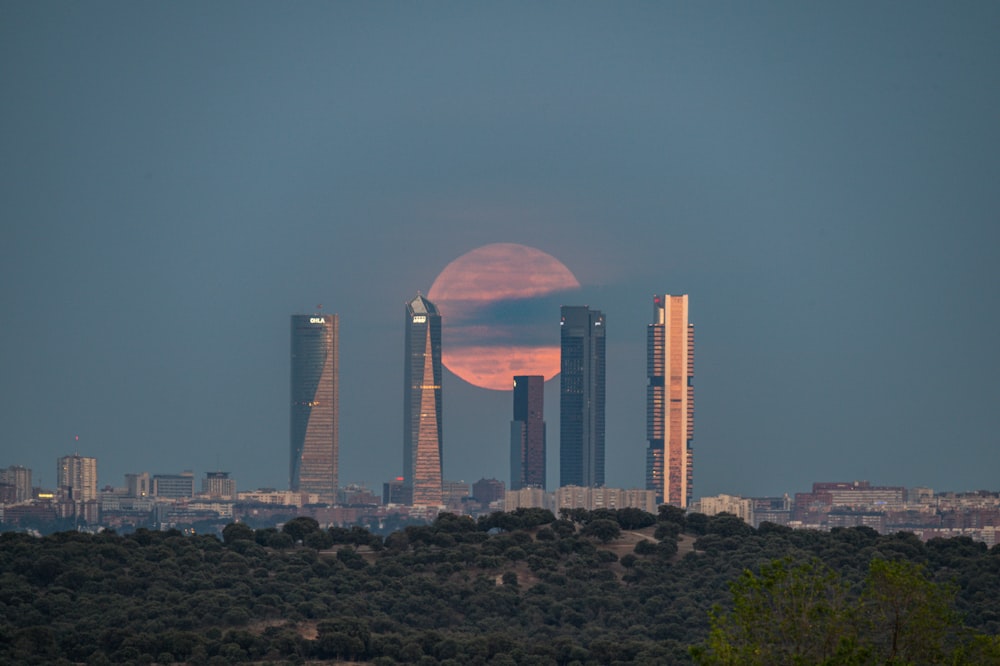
(738, 506)
(174, 486)
(77, 478)
(138, 484)
(488, 490)
(218, 485)
(581, 397)
(18, 478)
(527, 433)
(670, 401)
(423, 441)
(591, 498)
(315, 407)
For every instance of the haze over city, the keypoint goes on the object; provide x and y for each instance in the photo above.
(176, 180)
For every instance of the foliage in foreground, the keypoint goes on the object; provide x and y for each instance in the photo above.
(806, 614)
(519, 588)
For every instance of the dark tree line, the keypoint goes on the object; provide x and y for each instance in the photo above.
(511, 588)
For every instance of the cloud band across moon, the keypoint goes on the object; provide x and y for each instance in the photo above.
(500, 307)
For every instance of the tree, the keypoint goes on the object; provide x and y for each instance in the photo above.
(298, 528)
(786, 615)
(910, 617)
(603, 529)
(236, 532)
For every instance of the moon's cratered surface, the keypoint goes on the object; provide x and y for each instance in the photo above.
(501, 314)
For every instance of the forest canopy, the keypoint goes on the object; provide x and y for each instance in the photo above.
(601, 587)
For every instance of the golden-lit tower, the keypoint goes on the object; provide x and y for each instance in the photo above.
(670, 401)
(422, 434)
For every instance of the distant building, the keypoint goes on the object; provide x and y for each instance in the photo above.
(138, 484)
(590, 498)
(527, 433)
(18, 478)
(218, 485)
(581, 396)
(77, 478)
(486, 491)
(811, 507)
(174, 486)
(278, 497)
(529, 498)
(394, 492)
(776, 510)
(357, 495)
(670, 401)
(315, 405)
(423, 448)
(738, 506)
(453, 492)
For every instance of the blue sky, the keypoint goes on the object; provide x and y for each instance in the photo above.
(176, 179)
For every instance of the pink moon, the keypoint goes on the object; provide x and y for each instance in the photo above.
(495, 323)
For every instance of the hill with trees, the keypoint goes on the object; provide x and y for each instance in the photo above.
(600, 587)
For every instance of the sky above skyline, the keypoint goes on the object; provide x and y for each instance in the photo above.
(177, 179)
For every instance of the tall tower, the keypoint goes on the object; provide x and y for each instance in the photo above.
(422, 436)
(670, 401)
(581, 397)
(315, 405)
(77, 478)
(527, 434)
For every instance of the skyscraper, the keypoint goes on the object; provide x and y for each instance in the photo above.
(670, 401)
(527, 434)
(77, 478)
(315, 405)
(422, 436)
(581, 397)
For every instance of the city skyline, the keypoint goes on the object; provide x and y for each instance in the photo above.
(820, 179)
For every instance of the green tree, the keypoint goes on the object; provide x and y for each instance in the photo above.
(237, 532)
(299, 528)
(910, 617)
(787, 615)
(602, 529)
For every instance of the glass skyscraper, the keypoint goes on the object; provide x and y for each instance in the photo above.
(315, 405)
(581, 397)
(422, 435)
(527, 433)
(670, 401)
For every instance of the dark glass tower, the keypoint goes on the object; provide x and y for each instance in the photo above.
(315, 405)
(422, 438)
(527, 434)
(581, 397)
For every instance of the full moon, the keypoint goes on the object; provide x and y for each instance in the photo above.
(499, 316)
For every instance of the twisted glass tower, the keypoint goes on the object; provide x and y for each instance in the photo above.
(315, 405)
(422, 435)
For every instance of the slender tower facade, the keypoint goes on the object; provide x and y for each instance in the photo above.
(581, 397)
(670, 401)
(422, 434)
(527, 433)
(315, 405)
